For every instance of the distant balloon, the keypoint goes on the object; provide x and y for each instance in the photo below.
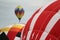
(19, 11)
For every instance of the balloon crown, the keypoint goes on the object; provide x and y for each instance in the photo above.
(20, 7)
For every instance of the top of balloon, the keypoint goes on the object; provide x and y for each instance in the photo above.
(20, 7)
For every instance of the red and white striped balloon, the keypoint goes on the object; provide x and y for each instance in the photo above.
(44, 23)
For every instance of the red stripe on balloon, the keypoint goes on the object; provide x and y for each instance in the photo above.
(13, 32)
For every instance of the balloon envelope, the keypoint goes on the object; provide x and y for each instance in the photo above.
(19, 11)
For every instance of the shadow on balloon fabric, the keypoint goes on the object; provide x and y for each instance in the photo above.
(3, 36)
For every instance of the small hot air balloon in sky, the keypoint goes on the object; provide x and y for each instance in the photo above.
(19, 11)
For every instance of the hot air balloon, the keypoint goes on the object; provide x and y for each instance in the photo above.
(11, 32)
(19, 12)
(44, 24)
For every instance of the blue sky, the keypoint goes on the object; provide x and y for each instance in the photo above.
(7, 15)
